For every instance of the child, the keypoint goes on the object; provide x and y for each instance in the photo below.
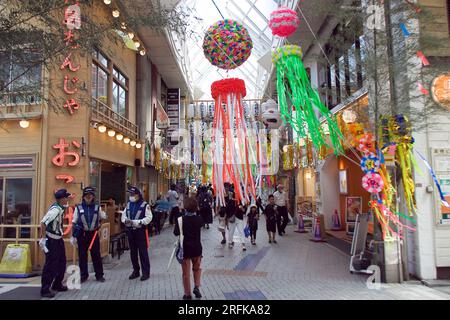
(252, 221)
(271, 219)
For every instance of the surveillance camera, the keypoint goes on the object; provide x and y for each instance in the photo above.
(95, 125)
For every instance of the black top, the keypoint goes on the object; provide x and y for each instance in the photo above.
(270, 212)
(240, 212)
(230, 207)
(192, 245)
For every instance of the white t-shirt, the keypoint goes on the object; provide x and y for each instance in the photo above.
(280, 198)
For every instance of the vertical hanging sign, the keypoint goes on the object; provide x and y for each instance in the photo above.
(173, 111)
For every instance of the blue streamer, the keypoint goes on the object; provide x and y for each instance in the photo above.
(444, 202)
(405, 31)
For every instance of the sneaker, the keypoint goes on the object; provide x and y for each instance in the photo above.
(48, 294)
(254, 243)
(185, 297)
(100, 279)
(244, 248)
(61, 288)
(146, 277)
(197, 293)
(280, 234)
(134, 275)
(223, 241)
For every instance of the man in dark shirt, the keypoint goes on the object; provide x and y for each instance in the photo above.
(192, 246)
(271, 219)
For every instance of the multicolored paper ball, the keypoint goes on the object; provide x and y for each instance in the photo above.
(372, 183)
(283, 22)
(227, 44)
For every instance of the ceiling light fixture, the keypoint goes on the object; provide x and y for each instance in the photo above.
(126, 140)
(101, 129)
(133, 143)
(119, 136)
(111, 133)
(24, 124)
(115, 13)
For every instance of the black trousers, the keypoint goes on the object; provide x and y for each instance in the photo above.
(282, 219)
(84, 240)
(55, 265)
(138, 246)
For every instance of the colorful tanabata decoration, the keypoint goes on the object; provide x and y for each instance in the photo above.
(293, 85)
(370, 164)
(283, 22)
(367, 144)
(372, 183)
(231, 160)
(270, 114)
(227, 44)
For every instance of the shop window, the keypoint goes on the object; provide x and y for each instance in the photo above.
(352, 68)
(120, 93)
(109, 84)
(20, 77)
(15, 205)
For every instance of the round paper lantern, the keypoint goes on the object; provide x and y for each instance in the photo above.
(372, 183)
(349, 116)
(227, 44)
(270, 114)
(283, 22)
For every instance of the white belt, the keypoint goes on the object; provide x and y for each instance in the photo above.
(53, 236)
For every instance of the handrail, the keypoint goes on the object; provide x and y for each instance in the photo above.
(103, 113)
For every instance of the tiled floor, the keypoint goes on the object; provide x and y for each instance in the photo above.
(294, 268)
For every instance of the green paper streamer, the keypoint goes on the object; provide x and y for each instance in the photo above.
(293, 83)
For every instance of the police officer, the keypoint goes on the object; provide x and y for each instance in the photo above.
(86, 223)
(53, 245)
(136, 216)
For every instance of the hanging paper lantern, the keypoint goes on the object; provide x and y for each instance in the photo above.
(270, 114)
(232, 152)
(227, 44)
(372, 183)
(293, 85)
(283, 22)
(366, 144)
(370, 164)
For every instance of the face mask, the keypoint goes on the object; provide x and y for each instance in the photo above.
(133, 198)
(66, 205)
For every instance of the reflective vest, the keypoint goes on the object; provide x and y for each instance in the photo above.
(54, 229)
(136, 214)
(90, 222)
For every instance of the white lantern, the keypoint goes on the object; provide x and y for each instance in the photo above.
(271, 114)
(102, 129)
(349, 116)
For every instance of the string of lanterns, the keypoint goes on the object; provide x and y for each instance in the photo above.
(119, 136)
(116, 14)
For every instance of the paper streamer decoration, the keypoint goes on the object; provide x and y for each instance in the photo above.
(370, 164)
(231, 161)
(293, 85)
(283, 22)
(405, 30)
(436, 182)
(372, 183)
(227, 44)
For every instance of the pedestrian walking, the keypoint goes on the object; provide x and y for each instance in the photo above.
(205, 201)
(86, 223)
(136, 216)
(53, 245)
(252, 222)
(161, 210)
(282, 214)
(237, 227)
(271, 219)
(191, 225)
(172, 196)
(223, 223)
